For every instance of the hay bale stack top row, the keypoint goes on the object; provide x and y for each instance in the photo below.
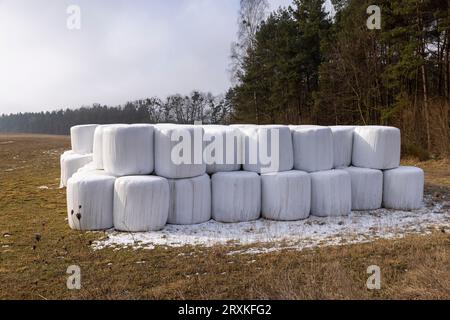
(142, 149)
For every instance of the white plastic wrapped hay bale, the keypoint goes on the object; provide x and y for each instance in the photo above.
(87, 167)
(313, 148)
(86, 171)
(331, 193)
(82, 138)
(342, 145)
(376, 147)
(90, 202)
(286, 196)
(141, 203)
(70, 163)
(68, 153)
(367, 188)
(63, 172)
(98, 146)
(128, 149)
(223, 148)
(267, 148)
(190, 200)
(179, 151)
(236, 196)
(403, 188)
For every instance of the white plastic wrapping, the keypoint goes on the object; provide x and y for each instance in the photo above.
(173, 157)
(286, 196)
(331, 193)
(128, 149)
(98, 147)
(68, 153)
(236, 196)
(87, 167)
(90, 202)
(267, 148)
(88, 171)
(82, 138)
(70, 163)
(223, 148)
(342, 145)
(190, 200)
(403, 188)
(313, 148)
(376, 147)
(63, 172)
(367, 188)
(141, 203)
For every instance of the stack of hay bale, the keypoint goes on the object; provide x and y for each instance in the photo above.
(377, 148)
(82, 139)
(129, 181)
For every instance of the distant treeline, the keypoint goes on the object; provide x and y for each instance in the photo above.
(175, 109)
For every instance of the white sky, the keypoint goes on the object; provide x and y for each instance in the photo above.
(125, 50)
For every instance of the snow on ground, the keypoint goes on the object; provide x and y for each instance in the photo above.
(266, 236)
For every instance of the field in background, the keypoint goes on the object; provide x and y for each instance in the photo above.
(37, 247)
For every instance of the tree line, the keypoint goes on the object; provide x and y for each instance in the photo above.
(197, 106)
(299, 65)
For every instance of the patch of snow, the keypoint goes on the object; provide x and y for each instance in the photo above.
(268, 236)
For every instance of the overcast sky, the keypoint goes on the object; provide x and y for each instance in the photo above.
(125, 50)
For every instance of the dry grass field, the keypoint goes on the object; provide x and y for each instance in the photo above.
(37, 246)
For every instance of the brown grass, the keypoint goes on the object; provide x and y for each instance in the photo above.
(37, 246)
(437, 172)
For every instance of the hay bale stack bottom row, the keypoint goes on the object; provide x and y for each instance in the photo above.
(124, 176)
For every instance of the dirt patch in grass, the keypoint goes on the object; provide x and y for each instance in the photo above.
(37, 246)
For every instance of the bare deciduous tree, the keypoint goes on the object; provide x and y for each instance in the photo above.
(251, 14)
